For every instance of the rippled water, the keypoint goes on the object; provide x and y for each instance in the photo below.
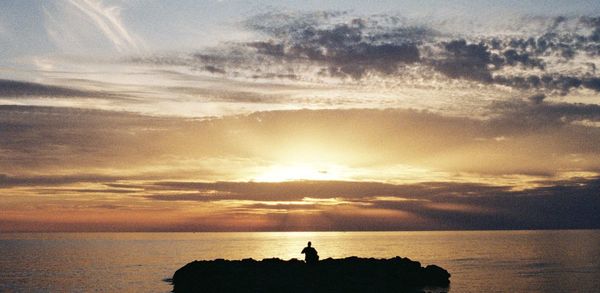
(479, 261)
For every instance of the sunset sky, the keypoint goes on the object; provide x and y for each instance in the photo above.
(148, 115)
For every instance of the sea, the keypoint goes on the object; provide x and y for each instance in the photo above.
(479, 261)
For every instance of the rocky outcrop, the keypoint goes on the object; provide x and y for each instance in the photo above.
(350, 274)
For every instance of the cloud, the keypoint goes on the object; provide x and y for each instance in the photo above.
(38, 138)
(537, 99)
(347, 49)
(75, 25)
(563, 205)
(7, 181)
(556, 82)
(340, 45)
(16, 88)
(497, 148)
(542, 138)
(309, 205)
(76, 169)
(107, 19)
(298, 190)
(468, 61)
(345, 60)
(479, 62)
(344, 48)
(529, 62)
(538, 114)
(444, 205)
(322, 60)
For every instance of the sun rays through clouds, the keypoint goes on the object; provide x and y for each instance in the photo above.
(142, 116)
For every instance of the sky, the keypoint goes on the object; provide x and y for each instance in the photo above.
(148, 115)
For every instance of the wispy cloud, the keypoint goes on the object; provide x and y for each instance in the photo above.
(108, 20)
(68, 25)
(19, 89)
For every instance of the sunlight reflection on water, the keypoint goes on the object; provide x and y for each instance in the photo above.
(491, 261)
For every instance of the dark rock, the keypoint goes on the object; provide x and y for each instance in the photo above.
(350, 274)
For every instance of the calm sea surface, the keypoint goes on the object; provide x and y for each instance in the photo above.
(479, 261)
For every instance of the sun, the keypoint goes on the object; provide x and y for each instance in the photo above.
(294, 172)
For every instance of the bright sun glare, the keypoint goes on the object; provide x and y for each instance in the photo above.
(299, 172)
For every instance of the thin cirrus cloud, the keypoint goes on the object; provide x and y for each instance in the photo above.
(107, 19)
(80, 25)
(16, 89)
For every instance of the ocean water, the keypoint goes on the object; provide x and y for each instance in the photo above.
(479, 261)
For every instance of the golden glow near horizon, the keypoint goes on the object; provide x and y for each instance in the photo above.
(300, 172)
(382, 170)
(393, 169)
(295, 120)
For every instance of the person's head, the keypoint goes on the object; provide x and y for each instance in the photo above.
(309, 243)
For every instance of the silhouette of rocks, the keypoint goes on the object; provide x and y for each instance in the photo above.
(350, 274)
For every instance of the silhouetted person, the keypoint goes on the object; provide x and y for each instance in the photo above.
(310, 254)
